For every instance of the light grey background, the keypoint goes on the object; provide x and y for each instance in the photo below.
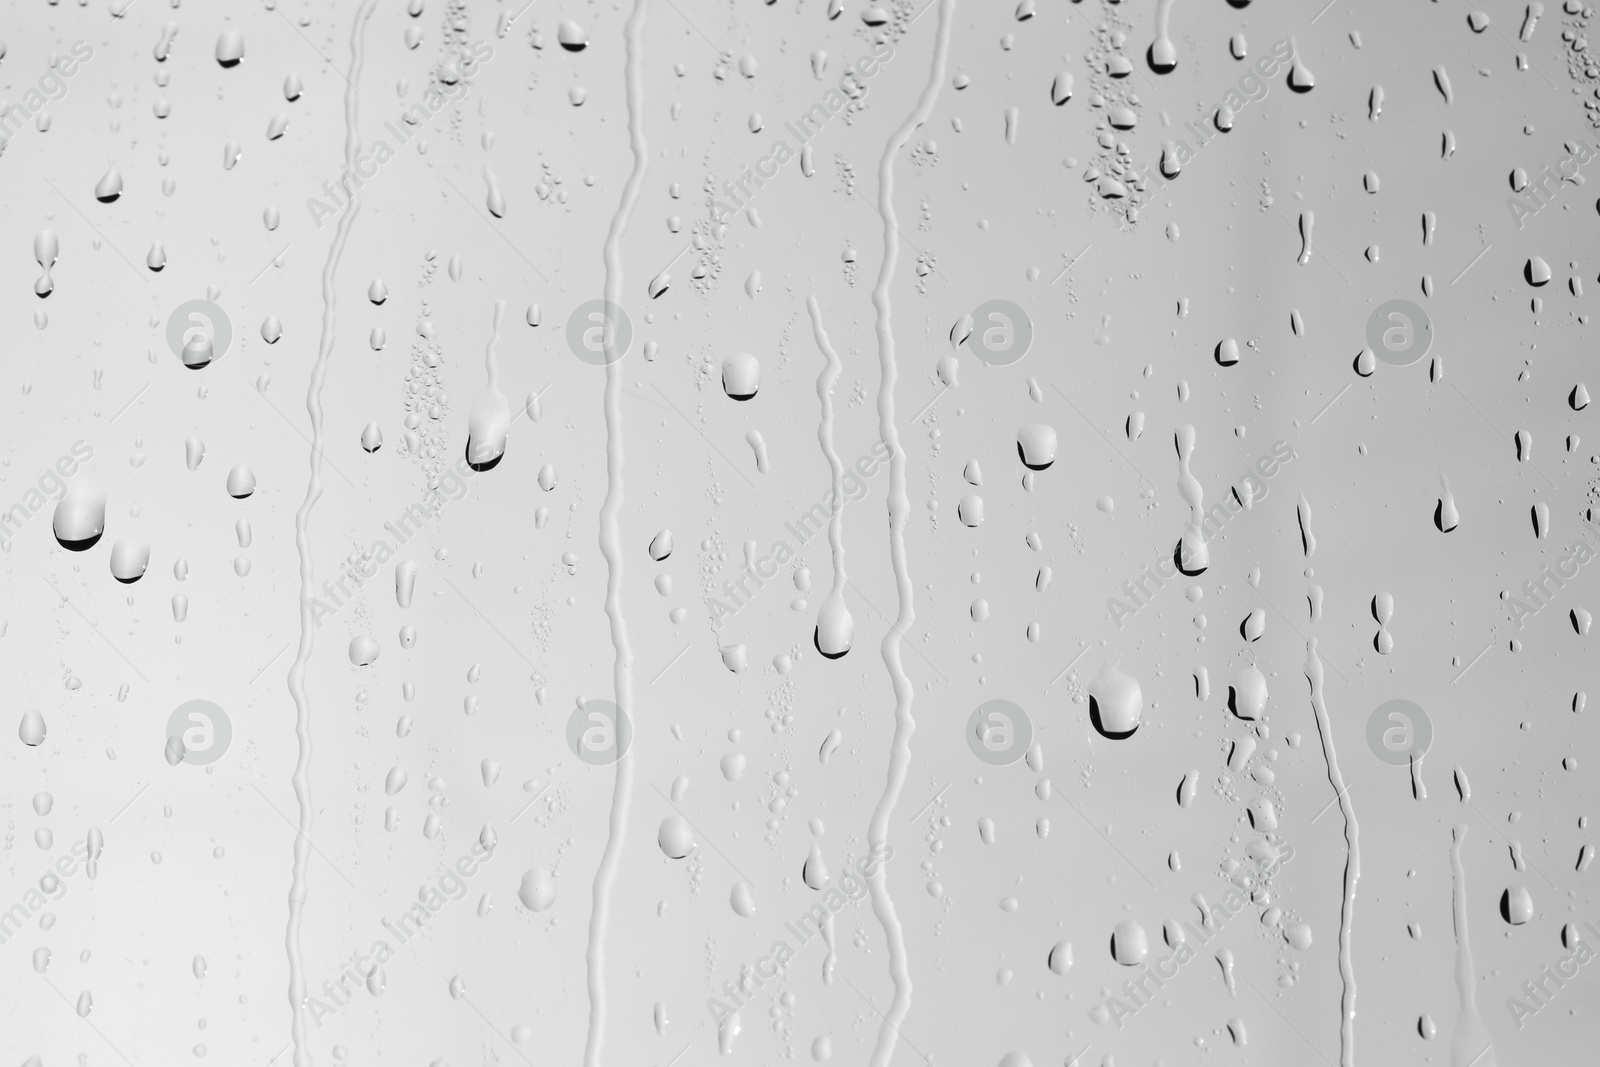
(989, 219)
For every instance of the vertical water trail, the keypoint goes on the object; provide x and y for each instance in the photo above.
(1194, 555)
(491, 364)
(899, 504)
(834, 615)
(1352, 866)
(302, 543)
(1470, 1045)
(489, 418)
(611, 549)
(1163, 53)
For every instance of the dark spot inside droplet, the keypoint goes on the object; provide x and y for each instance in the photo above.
(1114, 735)
(79, 546)
(1233, 705)
(1032, 466)
(816, 639)
(486, 465)
(1177, 561)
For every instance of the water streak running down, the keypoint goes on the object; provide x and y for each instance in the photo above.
(1352, 867)
(1470, 1044)
(1194, 555)
(302, 542)
(899, 505)
(611, 548)
(833, 622)
(1163, 53)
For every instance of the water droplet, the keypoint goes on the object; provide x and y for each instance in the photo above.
(571, 36)
(129, 560)
(1061, 88)
(741, 376)
(1115, 703)
(835, 628)
(109, 187)
(1130, 946)
(80, 516)
(230, 48)
(743, 900)
(1036, 446)
(1060, 958)
(675, 837)
(31, 729)
(1247, 693)
(241, 482)
(538, 889)
(1441, 81)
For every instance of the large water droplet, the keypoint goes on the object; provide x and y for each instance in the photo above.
(1115, 703)
(129, 560)
(675, 837)
(572, 36)
(80, 516)
(538, 889)
(1130, 945)
(109, 187)
(31, 729)
(741, 376)
(834, 628)
(1247, 693)
(1036, 445)
(241, 482)
(488, 424)
(230, 48)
